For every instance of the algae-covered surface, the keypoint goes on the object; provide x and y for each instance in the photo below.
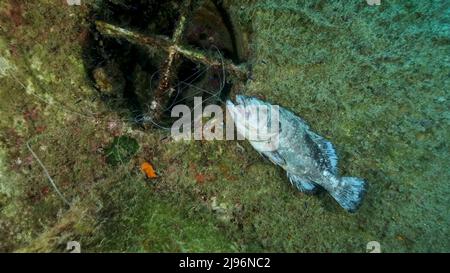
(373, 79)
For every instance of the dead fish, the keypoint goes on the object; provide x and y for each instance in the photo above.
(310, 161)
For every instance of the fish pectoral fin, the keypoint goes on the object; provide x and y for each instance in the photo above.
(303, 184)
(274, 157)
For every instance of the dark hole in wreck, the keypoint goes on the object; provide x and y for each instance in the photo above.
(126, 74)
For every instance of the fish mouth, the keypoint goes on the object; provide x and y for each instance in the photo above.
(241, 99)
(238, 108)
(231, 107)
(234, 109)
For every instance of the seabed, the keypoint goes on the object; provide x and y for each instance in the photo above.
(373, 79)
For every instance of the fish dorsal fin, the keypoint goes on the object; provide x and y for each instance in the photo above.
(331, 152)
(292, 116)
(328, 149)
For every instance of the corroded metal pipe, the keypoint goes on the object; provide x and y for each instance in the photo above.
(156, 41)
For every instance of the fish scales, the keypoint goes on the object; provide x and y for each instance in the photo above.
(310, 161)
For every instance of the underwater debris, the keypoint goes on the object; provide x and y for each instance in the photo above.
(309, 160)
(50, 179)
(194, 51)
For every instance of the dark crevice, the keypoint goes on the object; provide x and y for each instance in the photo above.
(126, 75)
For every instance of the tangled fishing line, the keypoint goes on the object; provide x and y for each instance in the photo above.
(188, 82)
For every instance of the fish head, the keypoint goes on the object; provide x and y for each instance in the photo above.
(243, 100)
(256, 121)
(249, 101)
(243, 113)
(245, 109)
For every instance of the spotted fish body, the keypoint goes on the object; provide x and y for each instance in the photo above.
(309, 160)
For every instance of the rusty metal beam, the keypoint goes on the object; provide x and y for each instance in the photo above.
(154, 41)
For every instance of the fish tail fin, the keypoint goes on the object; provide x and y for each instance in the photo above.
(351, 193)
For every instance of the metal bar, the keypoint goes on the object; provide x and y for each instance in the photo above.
(165, 44)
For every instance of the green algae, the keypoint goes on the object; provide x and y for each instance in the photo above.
(121, 150)
(372, 79)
